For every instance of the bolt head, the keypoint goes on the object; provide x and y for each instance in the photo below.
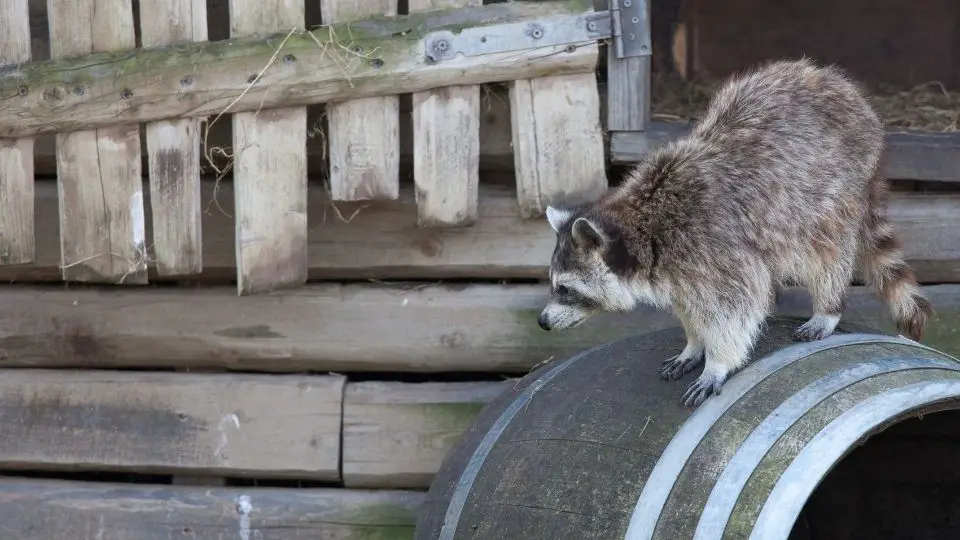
(592, 26)
(627, 3)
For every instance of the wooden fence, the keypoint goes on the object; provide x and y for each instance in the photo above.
(320, 409)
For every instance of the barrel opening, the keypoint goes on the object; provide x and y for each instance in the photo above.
(902, 482)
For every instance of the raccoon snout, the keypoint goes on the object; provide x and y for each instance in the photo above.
(543, 322)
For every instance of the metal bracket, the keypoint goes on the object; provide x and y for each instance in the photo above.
(569, 30)
(631, 28)
(626, 23)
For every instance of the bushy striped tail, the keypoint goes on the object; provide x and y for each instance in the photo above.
(886, 272)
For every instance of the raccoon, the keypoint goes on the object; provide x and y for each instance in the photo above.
(778, 183)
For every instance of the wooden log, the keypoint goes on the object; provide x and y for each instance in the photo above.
(270, 169)
(102, 229)
(382, 241)
(446, 137)
(62, 510)
(265, 426)
(304, 72)
(911, 155)
(417, 328)
(16, 155)
(395, 435)
(173, 147)
(558, 144)
(364, 135)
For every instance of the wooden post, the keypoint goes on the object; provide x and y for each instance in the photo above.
(173, 147)
(628, 89)
(102, 229)
(364, 133)
(16, 155)
(270, 167)
(446, 145)
(557, 140)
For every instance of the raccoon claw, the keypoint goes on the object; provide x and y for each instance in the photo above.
(700, 389)
(813, 330)
(676, 367)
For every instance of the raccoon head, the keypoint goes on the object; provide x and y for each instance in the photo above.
(589, 270)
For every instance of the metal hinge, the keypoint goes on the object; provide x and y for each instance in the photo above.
(631, 28)
(625, 23)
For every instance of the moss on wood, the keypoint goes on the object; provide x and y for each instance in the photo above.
(373, 56)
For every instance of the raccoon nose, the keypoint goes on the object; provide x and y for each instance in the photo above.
(542, 321)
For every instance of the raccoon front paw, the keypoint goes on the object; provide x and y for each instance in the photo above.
(699, 390)
(679, 365)
(817, 328)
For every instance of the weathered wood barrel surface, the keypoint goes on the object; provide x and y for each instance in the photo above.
(598, 447)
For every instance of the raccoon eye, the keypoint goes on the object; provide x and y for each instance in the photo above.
(562, 290)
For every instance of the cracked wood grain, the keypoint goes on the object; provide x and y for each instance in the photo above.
(364, 134)
(173, 147)
(16, 155)
(102, 229)
(446, 145)
(270, 169)
(557, 140)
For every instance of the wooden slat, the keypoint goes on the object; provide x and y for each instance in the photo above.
(395, 435)
(628, 86)
(312, 74)
(61, 510)
(557, 140)
(911, 155)
(364, 133)
(381, 240)
(446, 138)
(16, 155)
(233, 425)
(102, 227)
(173, 146)
(402, 327)
(270, 169)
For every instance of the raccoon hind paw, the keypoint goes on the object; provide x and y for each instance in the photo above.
(677, 366)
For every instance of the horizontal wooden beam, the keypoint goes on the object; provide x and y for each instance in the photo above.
(395, 435)
(381, 240)
(63, 510)
(911, 155)
(373, 57)
(205, 424)
(417, 328)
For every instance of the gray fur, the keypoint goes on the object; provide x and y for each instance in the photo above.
(777, 184)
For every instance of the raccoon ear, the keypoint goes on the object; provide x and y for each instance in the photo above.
(558, 217)
(588, 234)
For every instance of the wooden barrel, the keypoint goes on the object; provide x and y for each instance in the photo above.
(597, 446)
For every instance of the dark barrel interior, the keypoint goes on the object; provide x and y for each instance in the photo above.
(902, 483)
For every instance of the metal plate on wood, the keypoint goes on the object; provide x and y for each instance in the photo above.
(631, 28)
(568, 30)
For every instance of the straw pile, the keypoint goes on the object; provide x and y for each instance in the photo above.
(928, 106)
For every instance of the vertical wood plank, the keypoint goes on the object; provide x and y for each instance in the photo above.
(17, 244)
(270, 169)
(446, 145)
(557, 141)
(364, 133)
(102, 229)
(628, 90)
(173, 147)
